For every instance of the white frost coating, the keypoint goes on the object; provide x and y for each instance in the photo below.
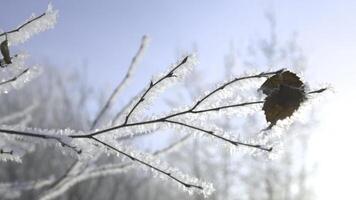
(174, 172)
(10, 157)
(43, 23)
(21, 81)
(18, 64)
(186, 68)
(155, 91)
(103, 170)
(110, 169)
(240, 91)
(276, 136)
(131, 131)
(52, 136)
(227, 112)
(14, 189)
(17, 70)
(216, 133)
(180, 72)
(178, 75)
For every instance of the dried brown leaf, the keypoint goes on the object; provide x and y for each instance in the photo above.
(4, 47)
(286, 78)
(282, 103)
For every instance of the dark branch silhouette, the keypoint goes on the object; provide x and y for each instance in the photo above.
(23, 25)
(15, 77)
(148, 165)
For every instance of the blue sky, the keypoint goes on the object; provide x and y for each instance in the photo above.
(105, 35)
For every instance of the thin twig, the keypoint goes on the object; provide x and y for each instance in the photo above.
(236, 143)
(6, 152)
(317, 91)
(152, 85)
(261, 75)
(162, 119)
(30, 134)
(124, 108)
(15, 78)
(228, 106)
(23, 25)
(188, 185)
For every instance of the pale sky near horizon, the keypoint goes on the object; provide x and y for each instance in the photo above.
(105, 35)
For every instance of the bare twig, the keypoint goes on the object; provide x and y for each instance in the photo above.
(228, 106)
(317, 91)
(6, 152)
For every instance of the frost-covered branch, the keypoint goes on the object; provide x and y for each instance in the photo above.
(152, 85)
(141, 161)
(32, 26)
(59, 139)
(68, 180)
(15, 77)
(192, 110)
(168, 119)
(261, 75)
(23, 25)
(236, 143)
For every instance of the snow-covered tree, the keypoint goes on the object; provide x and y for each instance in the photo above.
(283, 96)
